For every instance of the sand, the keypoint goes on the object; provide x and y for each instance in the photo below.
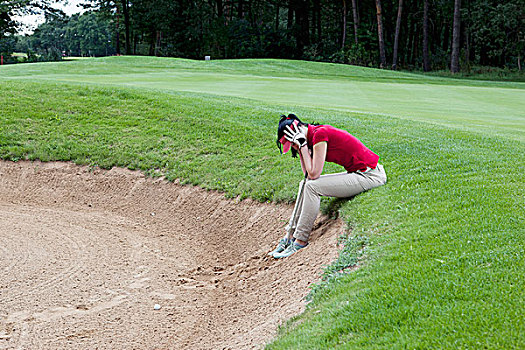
(86, 254)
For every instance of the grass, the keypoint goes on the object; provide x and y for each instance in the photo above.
(480, 106)
(484, 73)
(440, 247)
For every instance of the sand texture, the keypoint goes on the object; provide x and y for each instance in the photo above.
(85, 254)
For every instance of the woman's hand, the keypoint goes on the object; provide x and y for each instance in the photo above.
(296, 137)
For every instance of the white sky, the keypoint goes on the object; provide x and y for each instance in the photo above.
(30, 22)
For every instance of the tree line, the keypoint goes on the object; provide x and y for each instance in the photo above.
(407, 34)
(83, 35)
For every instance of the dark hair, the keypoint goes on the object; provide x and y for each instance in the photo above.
(283, 123)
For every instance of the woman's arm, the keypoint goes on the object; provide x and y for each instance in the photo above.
(303, 166)
(313, 164)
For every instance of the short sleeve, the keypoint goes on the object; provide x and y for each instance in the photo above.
(320, 135)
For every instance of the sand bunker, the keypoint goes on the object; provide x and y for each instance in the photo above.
(86, 254)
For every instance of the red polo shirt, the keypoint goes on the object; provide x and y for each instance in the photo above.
(343, 148)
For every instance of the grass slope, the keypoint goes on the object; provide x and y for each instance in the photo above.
(441, 246)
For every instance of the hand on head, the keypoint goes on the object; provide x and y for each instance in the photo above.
(296, 137)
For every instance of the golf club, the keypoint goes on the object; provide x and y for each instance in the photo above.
(294, 213)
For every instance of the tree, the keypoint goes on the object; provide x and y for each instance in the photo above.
(8, 8)
(317, 19)
(7, 25)
(496, 32)
(396, 40)
(356, 20)
(79, 35)
(127, 24)
(420, 31)
(380, 35)
(343, 40)
(454, 61)
(114, 10)
(302, 21)
(426, 62)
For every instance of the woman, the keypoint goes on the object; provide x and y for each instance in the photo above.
(316, 144)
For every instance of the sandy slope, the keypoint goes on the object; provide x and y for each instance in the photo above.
(86, 254)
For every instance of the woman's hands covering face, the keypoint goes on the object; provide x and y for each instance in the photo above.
(296, 137)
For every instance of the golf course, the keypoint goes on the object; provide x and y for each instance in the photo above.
(435, 259)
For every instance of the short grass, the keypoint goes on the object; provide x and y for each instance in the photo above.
(440, 247)
(481, 106)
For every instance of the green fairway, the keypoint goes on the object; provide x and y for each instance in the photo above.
(486, 107)
(441, 247)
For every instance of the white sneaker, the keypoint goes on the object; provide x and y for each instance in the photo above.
(291, 249)
(283, 244)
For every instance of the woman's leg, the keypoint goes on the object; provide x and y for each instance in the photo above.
(341, 185)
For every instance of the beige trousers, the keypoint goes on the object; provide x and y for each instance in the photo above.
(341, 185)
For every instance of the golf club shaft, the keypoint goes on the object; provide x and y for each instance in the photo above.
(293, 222)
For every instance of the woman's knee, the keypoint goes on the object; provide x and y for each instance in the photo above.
(313, 187)
(383, 178)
